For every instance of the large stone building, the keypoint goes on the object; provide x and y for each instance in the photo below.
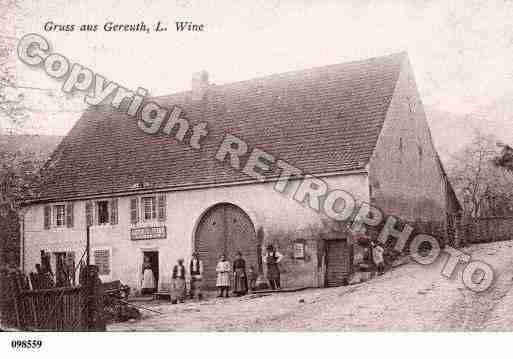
(358, 126)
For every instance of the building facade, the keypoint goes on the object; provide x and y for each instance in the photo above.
(187, 220)
(359, 127)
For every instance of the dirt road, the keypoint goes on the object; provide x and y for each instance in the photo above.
(410, 297)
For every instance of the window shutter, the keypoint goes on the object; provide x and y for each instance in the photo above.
(47, 217)
(114, 211)
(89, 213)
(161, 208)
(134, 210)
(69, 215)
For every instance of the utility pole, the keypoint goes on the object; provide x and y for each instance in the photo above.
(88, 245)
(88, 282)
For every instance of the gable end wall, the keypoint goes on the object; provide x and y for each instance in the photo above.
(404, 177)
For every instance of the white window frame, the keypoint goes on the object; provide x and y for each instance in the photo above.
(55, 215)
(153, 208)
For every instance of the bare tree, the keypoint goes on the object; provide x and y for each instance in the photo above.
(505, 159)
(483, 187)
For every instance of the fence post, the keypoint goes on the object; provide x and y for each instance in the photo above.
(94, 300)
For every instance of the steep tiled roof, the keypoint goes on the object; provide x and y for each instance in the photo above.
(321, 120)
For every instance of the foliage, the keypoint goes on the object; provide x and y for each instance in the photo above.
(21, 156)
(505, 159)
(484, 188)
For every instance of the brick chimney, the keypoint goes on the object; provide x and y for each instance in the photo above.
(199, 84)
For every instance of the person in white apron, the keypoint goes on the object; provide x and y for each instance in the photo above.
(148, 278)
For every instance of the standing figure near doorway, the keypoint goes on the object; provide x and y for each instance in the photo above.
(148, 278)
(240, 285)
(223, 270)
(272, 258)
(196, 271)
(377, 256)
(179, 280)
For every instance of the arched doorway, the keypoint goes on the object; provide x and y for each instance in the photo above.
(224, 228)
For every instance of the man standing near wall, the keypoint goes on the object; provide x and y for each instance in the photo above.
(272, 258)
(178, 278)
(377, 256)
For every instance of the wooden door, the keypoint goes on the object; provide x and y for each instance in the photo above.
(338, 262)
(224, 228)
(210, 243)
(240, 236)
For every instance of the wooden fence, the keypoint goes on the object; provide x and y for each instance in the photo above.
(53, 309)
(483, 230)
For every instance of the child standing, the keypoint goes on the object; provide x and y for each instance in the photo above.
(223, 270)
(252, 277)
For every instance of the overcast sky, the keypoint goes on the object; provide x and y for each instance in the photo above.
(461, 51)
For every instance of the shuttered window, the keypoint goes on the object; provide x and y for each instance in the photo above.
(161, 208)
(102, 261)
(47, 217)
(89, 213)
(114, 211)
(69, 215)
(134, 210)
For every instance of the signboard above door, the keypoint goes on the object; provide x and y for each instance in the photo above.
(144, 233)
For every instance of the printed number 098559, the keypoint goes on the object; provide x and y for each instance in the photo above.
(26, 344)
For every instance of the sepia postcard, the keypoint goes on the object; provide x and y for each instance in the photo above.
(255, 166)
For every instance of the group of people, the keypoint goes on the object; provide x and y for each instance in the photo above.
(244, 279)
(149, 284)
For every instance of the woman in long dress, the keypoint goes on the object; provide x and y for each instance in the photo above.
(179, 281)
(148, 278)
(240, 286)
(223, 270)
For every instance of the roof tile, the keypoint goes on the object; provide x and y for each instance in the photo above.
(321, 120)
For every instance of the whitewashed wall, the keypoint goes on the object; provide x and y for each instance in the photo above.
(268, 209)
